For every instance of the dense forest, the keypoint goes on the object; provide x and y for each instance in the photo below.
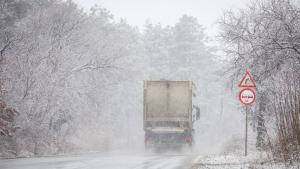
(71, 80)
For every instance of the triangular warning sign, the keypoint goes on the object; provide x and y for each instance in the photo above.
(247, 80)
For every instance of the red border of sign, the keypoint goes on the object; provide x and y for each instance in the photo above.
(247, 104)
(247, 72)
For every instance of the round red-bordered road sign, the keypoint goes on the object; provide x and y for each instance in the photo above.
(247, 96)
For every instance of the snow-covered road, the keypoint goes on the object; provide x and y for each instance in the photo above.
(141, 161)
(101, 161)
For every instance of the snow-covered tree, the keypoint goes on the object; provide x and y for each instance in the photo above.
(265, 38)
(62, 69)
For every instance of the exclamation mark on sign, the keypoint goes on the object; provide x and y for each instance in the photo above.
(247, 80)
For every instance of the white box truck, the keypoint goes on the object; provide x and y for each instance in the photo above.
(168, 117)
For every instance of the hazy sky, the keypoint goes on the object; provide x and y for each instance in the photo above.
(166, 12)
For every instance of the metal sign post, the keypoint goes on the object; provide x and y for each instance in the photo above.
(246, 132)
(247, 97)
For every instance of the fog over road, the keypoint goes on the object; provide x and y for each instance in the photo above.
(102, 161)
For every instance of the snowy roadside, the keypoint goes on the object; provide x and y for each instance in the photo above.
(73, 154)
(234, 161)
(30, 155)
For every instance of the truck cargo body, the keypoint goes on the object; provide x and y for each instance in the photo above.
(168, 113)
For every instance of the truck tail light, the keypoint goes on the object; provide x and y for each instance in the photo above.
(188, 139)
